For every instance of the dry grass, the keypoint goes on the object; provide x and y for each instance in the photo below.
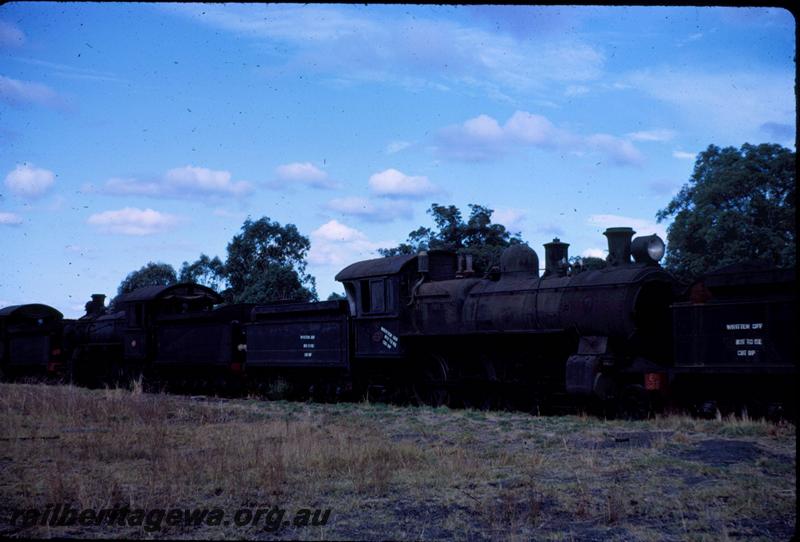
(392, 472)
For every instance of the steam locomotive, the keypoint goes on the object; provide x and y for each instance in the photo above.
(425, 327)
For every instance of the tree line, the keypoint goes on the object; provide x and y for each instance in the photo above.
(738, 205)
(265, 263)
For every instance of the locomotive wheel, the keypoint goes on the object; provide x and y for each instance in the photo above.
(117, 376)
(634, 403)
(483, 389)
(430, 381)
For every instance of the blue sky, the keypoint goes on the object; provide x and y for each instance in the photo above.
(142, 132)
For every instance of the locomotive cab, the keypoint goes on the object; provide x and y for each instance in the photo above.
(145, 306)
(380, 293)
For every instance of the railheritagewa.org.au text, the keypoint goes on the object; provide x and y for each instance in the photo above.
(269, 518)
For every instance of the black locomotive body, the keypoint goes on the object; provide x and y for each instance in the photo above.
(31, 341)
(305, 346)
(586, 334)
(169, 333)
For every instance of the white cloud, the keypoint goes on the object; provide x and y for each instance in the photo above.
(206, 180)
(652, 135)
(181, 182)
(397, 146)
(133, 187)
(68, 71)
(334, 243)
(29, 181)
(415, 52)
(482, 127)
(334, 230)
(640, 225)
(227, 213)
(305, 173)
(620, 152)
(76, 249)
(705, 98)
(133, 221)
(511, 218)
(10, 219)
(682, 155)
(394, 183)
(689, 39)
(20, 93)
(371, 210)
(551, 229)
(576, 90)
(483, 138)
(533, 129)
(595, 253)
(10, 35)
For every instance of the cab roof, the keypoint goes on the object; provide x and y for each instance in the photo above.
(184, 290)
(375, 268)
(31, 310)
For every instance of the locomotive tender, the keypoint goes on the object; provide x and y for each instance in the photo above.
(734, 336)
(425, 325)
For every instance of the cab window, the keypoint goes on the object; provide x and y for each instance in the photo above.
(136, 315)
(376, 296)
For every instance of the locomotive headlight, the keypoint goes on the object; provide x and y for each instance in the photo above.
(656, 249)
(648, 249)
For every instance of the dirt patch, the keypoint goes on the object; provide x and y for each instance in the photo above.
(723, 452)
(629, 439)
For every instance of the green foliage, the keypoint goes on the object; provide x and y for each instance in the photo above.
(277, 283)
(266, 263)
(580, 264)
(152, 274)
(477, 236)
(206, 271)
(738, 205)
(336, 297)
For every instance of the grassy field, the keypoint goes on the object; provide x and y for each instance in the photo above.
(383, 471)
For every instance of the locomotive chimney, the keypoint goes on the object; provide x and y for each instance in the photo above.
(619, 245)
(464, 266)
(96, 305)
(468, 270)
(555, 258)
(423, 262)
